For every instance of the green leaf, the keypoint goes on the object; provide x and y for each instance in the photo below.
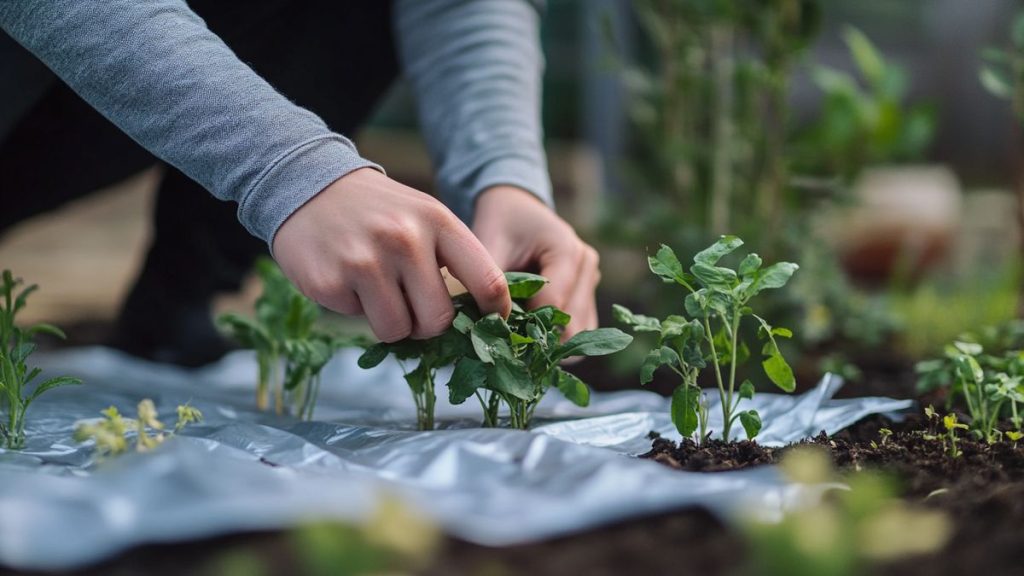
(996, 81)
(869, 61)
(490, 338)
(469, 374)
(572, 388)
(510, 376)
(714, 276)
(712, 254)
(43, 328)
(50, 385)
(638, 322)
(523, 285)
(778, 371)
(747, 390)
(593, 343)
(463, 323)
(418, 378)
(551, 316)
(774, 276)
(969, 368)
(666, 265)
(518, 340)
(679, 327)
(685, 400)
(750, 264)
(751, 422)
(373, 355)
(654, 360)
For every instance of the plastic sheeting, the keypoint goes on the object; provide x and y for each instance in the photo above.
(243, 470)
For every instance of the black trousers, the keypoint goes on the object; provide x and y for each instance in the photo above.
(335, 58)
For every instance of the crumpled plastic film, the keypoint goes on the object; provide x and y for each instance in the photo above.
(244, 470)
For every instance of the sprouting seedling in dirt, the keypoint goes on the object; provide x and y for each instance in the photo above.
(18, 386)
(884, 434)
(112, 433)
(990, 385)
(709, 333)
(511, 362)
(951, 424)
(516, 361)
(291, 350)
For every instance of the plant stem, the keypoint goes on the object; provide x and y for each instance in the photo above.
(718, 378)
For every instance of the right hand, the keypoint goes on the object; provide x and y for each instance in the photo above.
(369, 245)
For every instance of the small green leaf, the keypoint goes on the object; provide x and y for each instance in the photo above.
(712, 254)
(43, 328)
(518, 340)
(418, 378)
(510, 376)
(638, 322)
(593, 343)
(373, 356)
(751, 422)
(685, 400)
(774, 276)
(666, 265)
(490, 338)
(714, 276)
(779, 372)
(750, 264)
(869, 61)
(995, 81)
(50, 385)
(573, 388)
(463, 323)
(469, 374)
(523, 285)
(747, 390)
(654, 360)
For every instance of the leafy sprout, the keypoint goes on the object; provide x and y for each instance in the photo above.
(501, 362)
(18, 386)
(709, 334)
(291, 350)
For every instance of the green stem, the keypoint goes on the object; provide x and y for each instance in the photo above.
(718, 379)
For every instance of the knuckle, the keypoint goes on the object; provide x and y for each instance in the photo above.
(363, 265)
(438, 324)
(403, 235)
(394, 332)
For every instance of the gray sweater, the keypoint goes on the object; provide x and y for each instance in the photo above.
(155, 70)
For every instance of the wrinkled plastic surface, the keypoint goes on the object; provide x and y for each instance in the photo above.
(243, 470)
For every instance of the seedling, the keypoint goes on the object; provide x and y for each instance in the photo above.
(951, 424)
(989, 384)
(884, 434)
(111, 433)
(17, 382)
(511, 362)
(709, 334)
(290, 350)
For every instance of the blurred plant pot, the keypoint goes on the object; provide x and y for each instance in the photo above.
(904, 221)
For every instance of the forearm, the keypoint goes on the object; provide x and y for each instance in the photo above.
(157, 72)
(476, 69)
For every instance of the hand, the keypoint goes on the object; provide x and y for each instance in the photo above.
(522, 233)
(369, 245)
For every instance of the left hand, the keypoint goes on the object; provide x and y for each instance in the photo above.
(522, 233)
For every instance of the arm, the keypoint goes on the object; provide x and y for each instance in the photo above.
(476, 68)
(157, 72)
(346, 235)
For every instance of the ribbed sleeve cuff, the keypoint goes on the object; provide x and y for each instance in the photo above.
(519, 172)
(294, 179)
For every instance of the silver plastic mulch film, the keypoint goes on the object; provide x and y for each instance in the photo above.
(243, 470)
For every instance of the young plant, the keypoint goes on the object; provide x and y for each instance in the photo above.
(111, 433)
(18, 386)
(432, 354)
(290, 350)
(989, 384)
(709, 334)
(516, 361)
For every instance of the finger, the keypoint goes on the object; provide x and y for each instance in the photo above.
(582, 305)
(561, 267)
(343, 302)
(468, 260)
(428, 298)
(385, 308)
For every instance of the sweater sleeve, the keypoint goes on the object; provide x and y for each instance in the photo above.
(157, 72)
(475, 67)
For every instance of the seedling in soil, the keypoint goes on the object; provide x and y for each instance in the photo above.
(112, 433)
(989, 384)
(884, 434)
(511, 362)
(290, 350)
(951, 424)
(708, 334)
(17, 382)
